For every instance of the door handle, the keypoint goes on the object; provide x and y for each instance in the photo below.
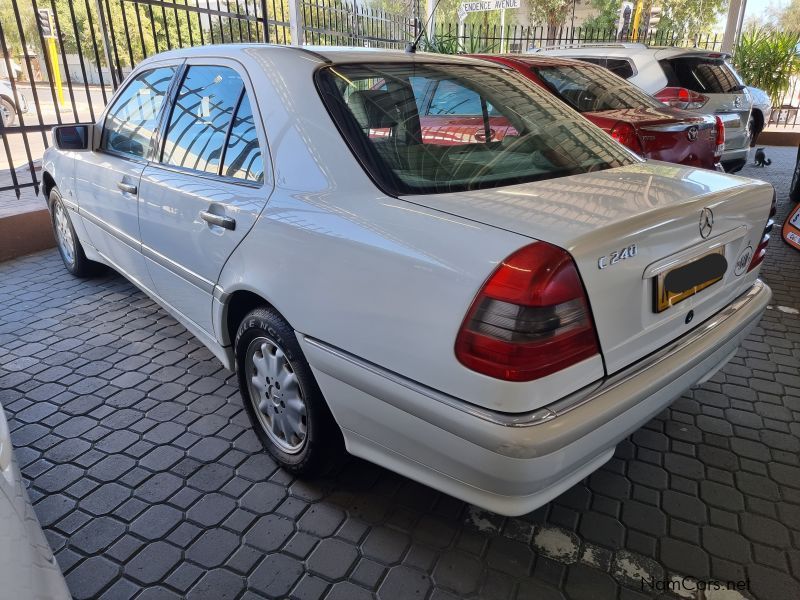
(218, 220)
(126, 187)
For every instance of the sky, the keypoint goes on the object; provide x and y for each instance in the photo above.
(755, 8)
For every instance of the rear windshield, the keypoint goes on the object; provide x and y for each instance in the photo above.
(422, 128)
(592, 89)
(701, 74)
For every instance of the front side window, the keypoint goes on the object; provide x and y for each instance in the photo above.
(489, 127)
(131, 120)
(592, 89)
(201, 116)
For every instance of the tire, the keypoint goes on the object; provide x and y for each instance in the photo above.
(282, 399)
(67, 242)
(8, 114)
(794, 187)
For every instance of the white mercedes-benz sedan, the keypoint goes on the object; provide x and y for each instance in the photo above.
(424, 259)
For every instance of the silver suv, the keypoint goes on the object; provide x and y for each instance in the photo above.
(688, 78)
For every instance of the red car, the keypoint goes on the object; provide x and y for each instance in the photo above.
(640, 122)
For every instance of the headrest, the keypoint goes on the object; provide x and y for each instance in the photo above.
(374, 109)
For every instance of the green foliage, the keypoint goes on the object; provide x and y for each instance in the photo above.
(606, 17)
(690, 17)
(767, 58)
(160, 29)
(447, 43)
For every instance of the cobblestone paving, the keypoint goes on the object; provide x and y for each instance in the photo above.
(149, 483)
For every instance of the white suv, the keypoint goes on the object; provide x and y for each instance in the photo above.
(688, 78)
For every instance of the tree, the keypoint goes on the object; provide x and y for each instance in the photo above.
(689, 17)
(552, 13)
(606, 16)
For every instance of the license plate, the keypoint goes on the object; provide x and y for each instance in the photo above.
(684, 281)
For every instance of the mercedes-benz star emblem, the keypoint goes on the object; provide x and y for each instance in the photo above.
(691, 133)
(706, 222)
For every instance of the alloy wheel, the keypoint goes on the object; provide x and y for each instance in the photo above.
(66, 241)
(276, 395)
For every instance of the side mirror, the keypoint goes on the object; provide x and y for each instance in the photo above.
(73, 137)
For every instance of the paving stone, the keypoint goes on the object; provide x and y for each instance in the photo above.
(98, 534)
(89, 578)
(458, 571)
(156, 521)
(321, 520)
(219, 584)
(332, 558)
(153, 562)
(269, 533)
(212, 548)
(385, 545)
(276, 575)
(211, 509)
(404, 583)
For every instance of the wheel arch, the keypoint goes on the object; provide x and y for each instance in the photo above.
(238, 304)
(48, 183)
(758, 125)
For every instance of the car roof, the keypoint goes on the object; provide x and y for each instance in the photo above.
(323, 54)
(624, 50)
(535, 60)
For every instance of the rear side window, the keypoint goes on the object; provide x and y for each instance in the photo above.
(243, 158)
(620, 66)
(484, 127)
(201, 116)
(701, 74)
(131, 120)
(588, 88)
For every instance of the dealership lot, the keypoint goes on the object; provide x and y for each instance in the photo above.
(149, 482)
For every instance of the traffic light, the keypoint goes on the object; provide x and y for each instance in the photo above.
(655, 17)
(44, 18)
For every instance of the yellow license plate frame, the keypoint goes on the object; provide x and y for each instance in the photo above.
(663, 299)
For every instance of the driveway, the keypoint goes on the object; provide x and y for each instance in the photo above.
(149, 483)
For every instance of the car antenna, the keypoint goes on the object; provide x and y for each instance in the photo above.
(411, 47)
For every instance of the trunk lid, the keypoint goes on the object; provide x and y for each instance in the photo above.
(670, 134)
(653, 206)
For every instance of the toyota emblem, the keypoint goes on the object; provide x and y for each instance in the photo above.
(706, 222)
(737, 102)
(691, 133)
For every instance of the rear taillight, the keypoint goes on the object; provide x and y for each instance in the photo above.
(720, 140)
(625, 134)
(761, 249)
(531, 318)
(679, 97)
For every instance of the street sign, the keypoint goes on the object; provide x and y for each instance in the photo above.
(483, 5)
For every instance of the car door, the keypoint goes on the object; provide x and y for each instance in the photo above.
(205, 189)
(107, 179)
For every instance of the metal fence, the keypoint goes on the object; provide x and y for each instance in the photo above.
(480, 38)
(337, 23)
(93, 46)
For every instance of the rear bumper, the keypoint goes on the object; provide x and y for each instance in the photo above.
(514, 463)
